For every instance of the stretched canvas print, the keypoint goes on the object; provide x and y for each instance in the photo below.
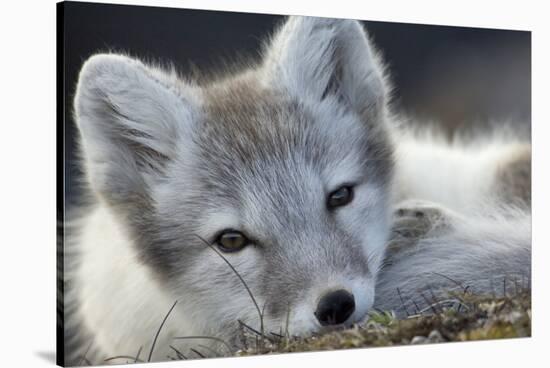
(239, 184)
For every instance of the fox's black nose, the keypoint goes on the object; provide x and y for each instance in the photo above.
(335, 307)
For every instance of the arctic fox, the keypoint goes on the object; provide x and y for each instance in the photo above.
(295, 172)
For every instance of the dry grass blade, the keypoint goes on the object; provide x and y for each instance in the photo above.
(84, 359)
(431, 304)
(135, 359)
(178, 353)
(137, 355)
(158, 331)
(206, 337)
(459, 284)
(242, 281)
(214, 352)
(417, 310)
(198, 353)
(444, 302)
(253, 330)
(403, 302)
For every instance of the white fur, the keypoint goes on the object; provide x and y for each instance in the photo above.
(121, 301)
(295, 54)
(122, 285)
(466, 170)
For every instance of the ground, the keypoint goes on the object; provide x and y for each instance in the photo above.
(471, 318)
(476, 318)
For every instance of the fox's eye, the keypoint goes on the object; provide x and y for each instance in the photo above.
(340, 197)
(231, 241)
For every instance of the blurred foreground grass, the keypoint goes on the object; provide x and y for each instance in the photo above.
(477, 318)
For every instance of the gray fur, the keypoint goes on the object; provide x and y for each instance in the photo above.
(487, 254)
(171, 163)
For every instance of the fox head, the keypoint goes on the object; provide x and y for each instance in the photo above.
(282, 169)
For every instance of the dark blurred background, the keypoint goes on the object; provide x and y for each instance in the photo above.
(450, 75)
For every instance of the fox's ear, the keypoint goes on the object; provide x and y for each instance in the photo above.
(322, 57)
(131, 118)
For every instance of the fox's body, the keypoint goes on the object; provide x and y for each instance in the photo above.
(173, 166)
